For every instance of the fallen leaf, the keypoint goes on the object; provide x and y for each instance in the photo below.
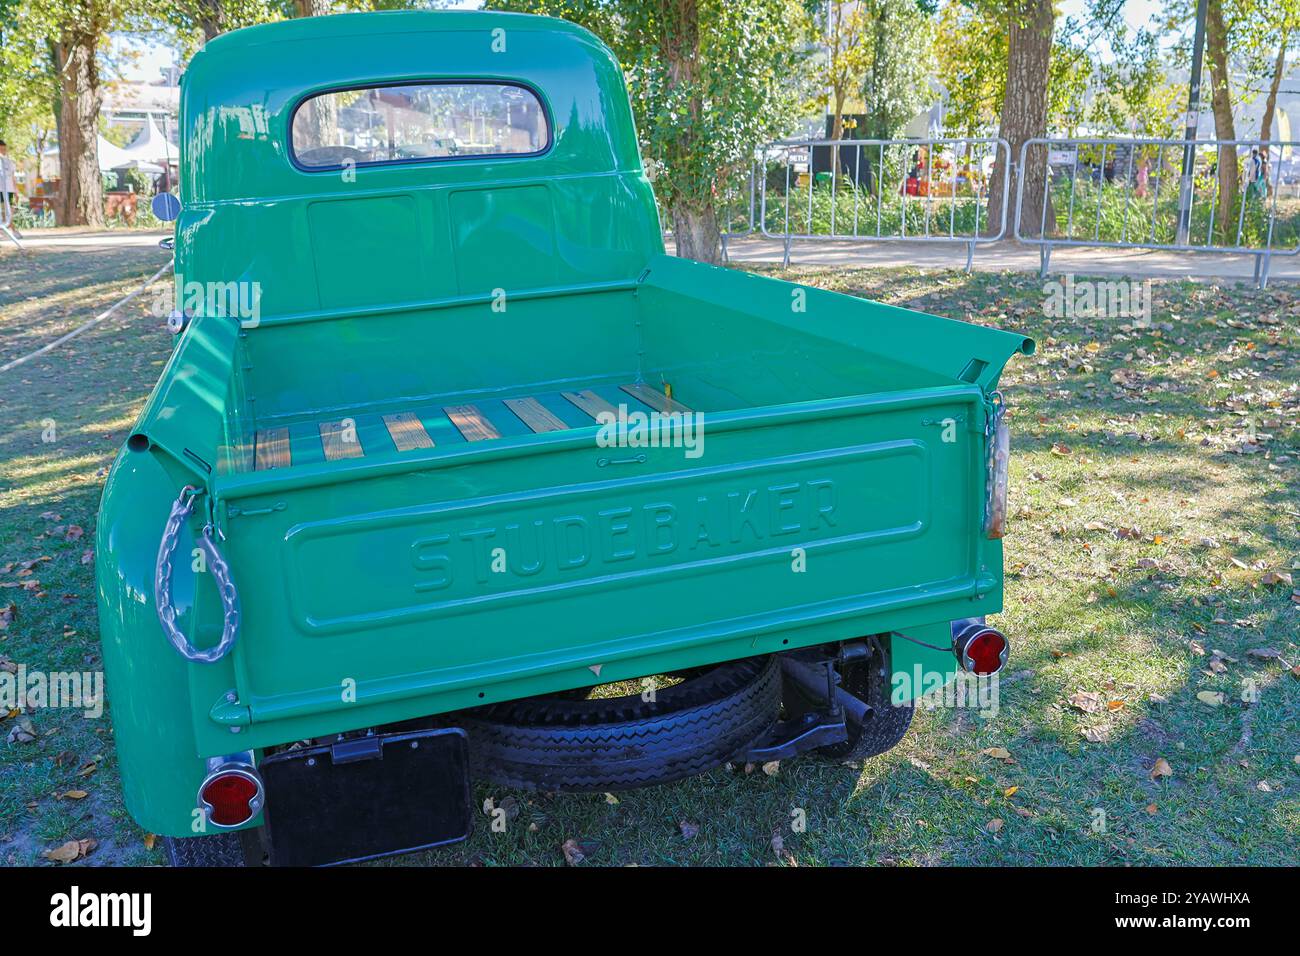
(1161, 768)
(778, 847)
(72, 850)
(1152, 809)
(573, 852)
(1087, 702)
(22, 733)
(772, 768)
(689, 830)
(149, 840)
(1277, 577)
(994, 825)
(997, 753)
(1010, 791)
(611, 799)
(1264, 653)
(1211, 698)
(75, 795)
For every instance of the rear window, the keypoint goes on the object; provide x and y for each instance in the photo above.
(404, 124)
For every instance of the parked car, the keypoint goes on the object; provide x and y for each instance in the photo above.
(448, 440)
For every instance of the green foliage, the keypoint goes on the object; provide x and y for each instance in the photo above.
(896, 84)
(1113, 212)
(705, 88)
(970, 45)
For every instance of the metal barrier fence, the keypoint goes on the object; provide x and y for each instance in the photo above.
(1132, 195)
(7, 219)
(880, 190)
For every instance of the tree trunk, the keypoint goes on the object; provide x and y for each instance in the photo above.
(695, 231)
(875, 79)
(1216, 49)
(1024, 117)
(695, 221)
(311, 8)
(209, 17)
(81, 201)
(1270, 104)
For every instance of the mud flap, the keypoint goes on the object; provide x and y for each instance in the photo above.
(367, 797)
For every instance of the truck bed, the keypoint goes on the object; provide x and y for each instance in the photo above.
(475, 543)
(428, 424)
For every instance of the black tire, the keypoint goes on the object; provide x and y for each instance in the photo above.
(621, 743)
(214, 849)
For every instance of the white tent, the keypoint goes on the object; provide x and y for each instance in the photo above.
(151, 147)
(110, 156)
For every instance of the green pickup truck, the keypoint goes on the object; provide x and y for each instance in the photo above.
(454, 474)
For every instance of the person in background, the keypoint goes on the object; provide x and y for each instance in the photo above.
(8, 180)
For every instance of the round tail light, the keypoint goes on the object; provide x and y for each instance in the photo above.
(980, 649)
(231, 795)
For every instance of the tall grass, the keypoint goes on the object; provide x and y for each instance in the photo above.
(1113, 212)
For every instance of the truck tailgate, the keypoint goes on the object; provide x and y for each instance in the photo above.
(446, 579)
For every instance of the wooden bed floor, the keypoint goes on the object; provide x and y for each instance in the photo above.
(433, 426)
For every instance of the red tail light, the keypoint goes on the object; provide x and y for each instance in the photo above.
(980, 649)
(231, 794)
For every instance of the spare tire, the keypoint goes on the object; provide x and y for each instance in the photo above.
(620, 743)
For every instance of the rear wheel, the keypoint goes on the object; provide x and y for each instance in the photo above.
(620, 743)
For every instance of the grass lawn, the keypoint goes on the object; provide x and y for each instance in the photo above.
(1155, 505)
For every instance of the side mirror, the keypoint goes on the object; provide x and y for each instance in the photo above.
(165, 206)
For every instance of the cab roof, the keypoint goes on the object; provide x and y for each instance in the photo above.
(386, 21)
(240, 90)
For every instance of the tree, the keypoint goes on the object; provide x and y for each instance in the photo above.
(1283, 28)
(896, 84)
(61, 40)
(878, 50)
(194, 22)
(970, 45)
(1030, 26)
(1216, 54)
(843, 26)
(28, 89)
(1132, 94)
(709, 81)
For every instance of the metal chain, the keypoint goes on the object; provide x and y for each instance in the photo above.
(182, 508)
